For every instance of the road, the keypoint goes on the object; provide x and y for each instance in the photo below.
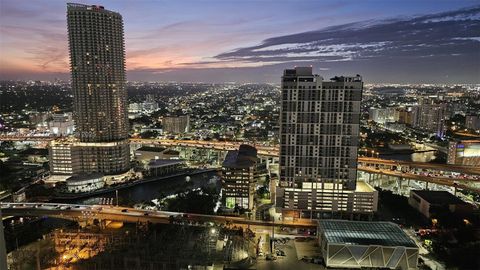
(125, 214)
(448, 172)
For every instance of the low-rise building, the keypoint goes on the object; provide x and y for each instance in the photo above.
(85, 182)
(161, 167)
(430, 203)
(464, 153)
(147, 153)
(366, 244)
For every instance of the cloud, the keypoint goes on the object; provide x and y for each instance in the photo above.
(444, 34)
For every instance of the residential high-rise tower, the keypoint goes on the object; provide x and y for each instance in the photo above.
(319, 133)
(97, 60)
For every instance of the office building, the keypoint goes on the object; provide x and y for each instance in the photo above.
(239, 177)
(319, 133)
(465, 153)
(176, 124)
(97, 60)
(361, 244)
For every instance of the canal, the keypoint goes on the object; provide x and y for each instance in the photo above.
(150, 190)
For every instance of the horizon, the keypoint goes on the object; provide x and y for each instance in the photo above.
(200, 42)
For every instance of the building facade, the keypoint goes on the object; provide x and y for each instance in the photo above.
(97, 61)
(465, 153)
(61, 124)
(239, 177)
(85, 183)
(430, 117)
(361, 244)
(472, 122)
(176, 124)
(319, 133)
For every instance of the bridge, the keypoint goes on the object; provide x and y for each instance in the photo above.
(83, 213)
(464, 177)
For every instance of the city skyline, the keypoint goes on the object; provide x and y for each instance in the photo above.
(204, 40)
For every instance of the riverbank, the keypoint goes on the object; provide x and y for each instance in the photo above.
(76, 196)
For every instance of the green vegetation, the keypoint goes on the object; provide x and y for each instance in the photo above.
(200, 201)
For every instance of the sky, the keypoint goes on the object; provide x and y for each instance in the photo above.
(394, 41)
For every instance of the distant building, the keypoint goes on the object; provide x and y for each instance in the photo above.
(472, 122)
(85, 182)
(382, 115)
(361, 244)
(430, 117)
(144, 107)
(61, 124)
(176, 124)
(403, 116)
(319, 133)
(239, 177)
(430, 202)
(465, 152)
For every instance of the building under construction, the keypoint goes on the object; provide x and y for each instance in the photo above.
(138, 247)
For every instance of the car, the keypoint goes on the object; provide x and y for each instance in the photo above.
(280, 253)
(145, 214)
(124, 210)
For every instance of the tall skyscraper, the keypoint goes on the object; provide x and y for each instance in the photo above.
(97, 60)
(319, 133)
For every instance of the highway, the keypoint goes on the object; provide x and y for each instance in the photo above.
(448, 174)
(125, 214)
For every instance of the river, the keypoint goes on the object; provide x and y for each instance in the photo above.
(148, 191)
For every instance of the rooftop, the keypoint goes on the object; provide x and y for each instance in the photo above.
(438, 197)
(364, 233)
(245, 157)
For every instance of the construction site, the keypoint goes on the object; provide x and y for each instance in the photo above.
(138, 246)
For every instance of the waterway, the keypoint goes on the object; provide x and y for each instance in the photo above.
(149, 191)
(426, 156)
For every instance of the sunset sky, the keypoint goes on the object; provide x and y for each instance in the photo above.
(253, 41)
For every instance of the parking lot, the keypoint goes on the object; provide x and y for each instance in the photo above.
(292, 258)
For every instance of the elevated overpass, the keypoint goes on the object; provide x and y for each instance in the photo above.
(125, 214)
(465, 177)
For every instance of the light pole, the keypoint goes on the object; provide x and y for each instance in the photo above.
(116, 195)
